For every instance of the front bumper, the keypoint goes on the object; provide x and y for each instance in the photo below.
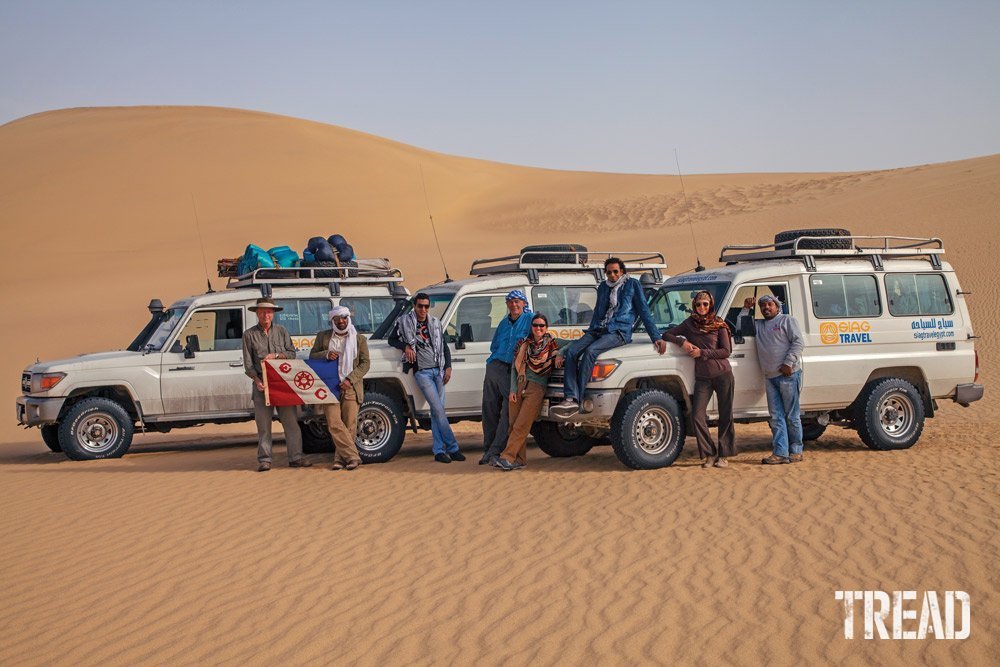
(967, 393)
(38, 411)
(598, 406)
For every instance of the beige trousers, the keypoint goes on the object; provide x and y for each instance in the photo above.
(522, 415)
(342, 421)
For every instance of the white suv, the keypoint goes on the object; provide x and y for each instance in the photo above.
(887, 332)
(185, 368)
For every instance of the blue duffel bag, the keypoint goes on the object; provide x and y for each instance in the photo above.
(254, 257)
(284, 256)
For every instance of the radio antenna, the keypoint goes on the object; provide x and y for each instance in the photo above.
(201, 242)
(427, 202)
(694, 239)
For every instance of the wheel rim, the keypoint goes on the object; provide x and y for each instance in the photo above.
(374, 430)
(896, 414)
(653, 431)
(98, 432)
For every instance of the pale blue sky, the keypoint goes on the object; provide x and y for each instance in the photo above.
(616, 86)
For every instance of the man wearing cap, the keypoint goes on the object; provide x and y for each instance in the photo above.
(779, 351)
(496, 385)
(267, 340)
(620, 301)
(343, 344)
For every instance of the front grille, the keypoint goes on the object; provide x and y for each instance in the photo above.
(26, 383)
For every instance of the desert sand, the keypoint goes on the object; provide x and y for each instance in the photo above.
(180, 554)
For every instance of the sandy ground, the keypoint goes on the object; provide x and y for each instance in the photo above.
(180, 554)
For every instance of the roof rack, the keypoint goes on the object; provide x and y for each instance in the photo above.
(366, 272)
(533, 262)
(873, 248)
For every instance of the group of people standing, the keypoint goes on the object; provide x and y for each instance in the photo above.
(523, 354)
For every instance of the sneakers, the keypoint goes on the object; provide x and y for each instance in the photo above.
(721, 463)
(301, 463)
(773, 460)
(795, 458)
(507, 466)
(567, 408)
(264, 466)
(707, 463)
(442, 458)
(456, 456)
(486, 459)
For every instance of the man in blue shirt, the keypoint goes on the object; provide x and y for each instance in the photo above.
(496, 384)
(620, 300)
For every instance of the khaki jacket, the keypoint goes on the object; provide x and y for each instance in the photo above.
(361, 364)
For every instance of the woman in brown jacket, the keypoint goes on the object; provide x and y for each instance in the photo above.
(705, 337)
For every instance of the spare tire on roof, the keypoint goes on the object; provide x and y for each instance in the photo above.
(559, 253)
(831, 243)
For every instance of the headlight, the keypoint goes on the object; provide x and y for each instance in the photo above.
(603, 369)
(45, 381)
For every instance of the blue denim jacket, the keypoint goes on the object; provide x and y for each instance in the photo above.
(631, 304)
(506, 336)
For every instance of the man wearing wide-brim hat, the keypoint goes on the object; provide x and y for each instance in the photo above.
(267, 340)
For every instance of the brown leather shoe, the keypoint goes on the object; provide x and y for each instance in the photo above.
(264, 466)
(794, 458)
(353, 465)
(706, 463)
(773, 460)
(337, 466)
(301, 463)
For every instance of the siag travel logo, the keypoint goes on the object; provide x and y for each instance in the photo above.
(845, 333)
(896, 617)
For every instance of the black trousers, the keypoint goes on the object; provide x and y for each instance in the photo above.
(723, 387)
(496, 389)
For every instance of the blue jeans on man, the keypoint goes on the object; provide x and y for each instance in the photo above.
(786, 421)
(431, 383)
(581, 357)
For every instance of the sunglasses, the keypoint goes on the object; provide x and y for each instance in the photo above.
(611, 272)
(538, 326)
(701, 303)
(422, 306)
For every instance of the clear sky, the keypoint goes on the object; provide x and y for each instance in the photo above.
(610, 86)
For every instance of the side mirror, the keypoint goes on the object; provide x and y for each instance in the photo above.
(192, 346)
(465, 334)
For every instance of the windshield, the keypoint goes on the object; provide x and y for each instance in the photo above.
(168, 322)
(439, 303)
(672, 303)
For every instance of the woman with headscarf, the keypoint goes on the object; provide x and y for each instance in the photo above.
(343, 344)
(535, 356)
(706, 338)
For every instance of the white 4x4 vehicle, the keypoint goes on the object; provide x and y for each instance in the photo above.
(887, 335)
(185, 368)
(559, 280)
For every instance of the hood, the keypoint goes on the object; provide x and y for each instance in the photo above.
(117, 359)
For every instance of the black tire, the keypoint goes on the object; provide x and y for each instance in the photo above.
(889, 414)
(560, 253)
(381, 428)
(812, 429)
(96, 428)
(50, 436)
(561, 441)
(832, 243)
(315, 437)
(647, 430)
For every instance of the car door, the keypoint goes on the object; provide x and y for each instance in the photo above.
(482, 314)
(209, 377)
(750, 397)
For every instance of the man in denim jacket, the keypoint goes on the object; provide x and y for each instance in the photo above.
(620, 299)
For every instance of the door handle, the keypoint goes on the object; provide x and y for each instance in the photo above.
(738, 356)
(236, 364)
(457, 359)
(181, 368)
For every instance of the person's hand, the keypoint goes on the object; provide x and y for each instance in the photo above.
(447, 375)
(687, 346)
(660, 345)
(694, 352)
(259, 384)
(513, 397)
(331, 355)
(559, 362)
(748, 303)
(411, 355)
(271, 355)
(785, 369)
(345, 385)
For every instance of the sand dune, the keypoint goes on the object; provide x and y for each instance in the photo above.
(179, 554)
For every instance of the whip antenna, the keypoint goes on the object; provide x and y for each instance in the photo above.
(694, 239)
(201, 242)
(427, 202)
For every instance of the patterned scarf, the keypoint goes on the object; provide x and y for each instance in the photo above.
(538, 356)
(407, 325)
(710, 321)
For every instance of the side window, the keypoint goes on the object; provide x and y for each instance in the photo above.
(565, 306)
(845, 296)
(913, 294)
(368, 312)
(303, 317)
(482, 313)
(777, 290)
(216, 330)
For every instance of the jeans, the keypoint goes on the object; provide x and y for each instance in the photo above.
(431, 383)
(581, 357)
(786, 422)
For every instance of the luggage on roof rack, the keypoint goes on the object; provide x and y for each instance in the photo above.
(533, 260)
